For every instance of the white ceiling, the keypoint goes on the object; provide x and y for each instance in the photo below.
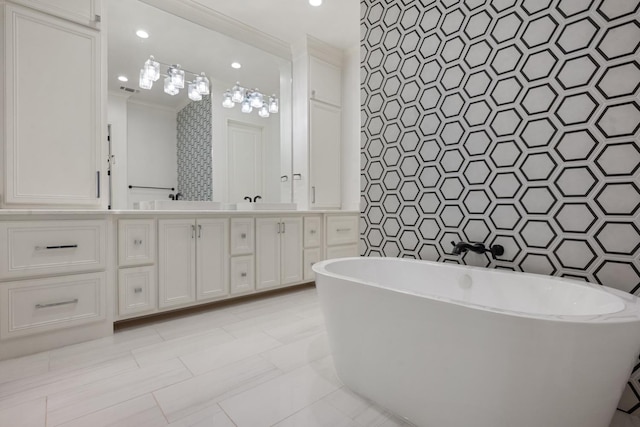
(178, 41)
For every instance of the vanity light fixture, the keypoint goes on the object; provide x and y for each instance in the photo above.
(123, 78)
(315, 2)
(174, 79)
(236, 65)
(142, 34)
(250, 99)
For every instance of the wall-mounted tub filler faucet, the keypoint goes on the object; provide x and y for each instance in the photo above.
(178, 196)
(255, 199)
(479, 248)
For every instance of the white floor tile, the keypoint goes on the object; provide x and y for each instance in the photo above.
(23, 367)
(277, 399)
(260, 323)
(81, 401)
(319, 414)
(229, 352)
(347, 402)
(210, 417)
(139, 412)
(201, 392)
(27, 414)
(182, 346)
(299, 353)
(195, 323)
(296, 330)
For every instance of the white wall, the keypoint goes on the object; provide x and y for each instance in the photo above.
(351, 129)
(151, 150)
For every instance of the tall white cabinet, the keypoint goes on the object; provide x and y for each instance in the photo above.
(52, 106)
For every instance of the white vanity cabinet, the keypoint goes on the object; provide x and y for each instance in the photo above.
(312, 242)
(278, 251)
(242, 265)
(193, 258)
(324, 155)
(342, 233)
(325, 81)
(137, 282)
(85, 12)
(52, 106)
(54, 283)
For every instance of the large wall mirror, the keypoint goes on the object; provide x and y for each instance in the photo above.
(161, 142)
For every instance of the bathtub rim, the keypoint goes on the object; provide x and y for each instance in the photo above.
(629, 313)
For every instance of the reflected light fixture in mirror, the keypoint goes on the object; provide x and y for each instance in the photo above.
(174, 79)
(250, 99)
(315, 2)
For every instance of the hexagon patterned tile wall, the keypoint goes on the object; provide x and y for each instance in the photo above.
(505, 121)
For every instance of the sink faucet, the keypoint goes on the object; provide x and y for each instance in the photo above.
(479, 248)
(255, 199)
(178, 196)
(248, 198)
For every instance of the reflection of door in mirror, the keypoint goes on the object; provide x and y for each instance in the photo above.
(244, 142)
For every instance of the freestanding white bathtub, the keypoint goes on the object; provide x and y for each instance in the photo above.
(444, 345)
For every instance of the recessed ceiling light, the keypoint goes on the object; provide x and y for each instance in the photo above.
(315, 2)
(236, 65)
(142, 34)
(123, 78)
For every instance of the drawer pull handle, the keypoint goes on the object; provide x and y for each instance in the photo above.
(312, 231)
(137, 290)
(243, 236)
(40, 248)
(341, 230)
(55, 304)
(137, 242)
(243, 274)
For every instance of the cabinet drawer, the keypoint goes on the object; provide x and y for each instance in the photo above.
(242, 236)
(41, 305)
(49, 247)
(345, 251)
(137, 290)
(312, 231)
(342, 230)
(136, 242)
(311, 256)
(242, 275)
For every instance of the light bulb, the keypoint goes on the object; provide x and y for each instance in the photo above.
(202, 82)
(227, 102)
(152, 69)
(315, 2)
(144, 82)
(256, 99)
(246, 106)
(169, 87)
(273, 104)
(237, 93)
(142, 34)
(264, 111)
(194, 93)
(177, 76)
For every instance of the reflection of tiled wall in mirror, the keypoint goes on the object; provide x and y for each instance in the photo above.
(194, 150)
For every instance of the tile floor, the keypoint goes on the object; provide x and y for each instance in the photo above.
(263, 362)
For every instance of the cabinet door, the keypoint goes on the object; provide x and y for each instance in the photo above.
(241, 236)
(84, 12)
(242, 275)
(136, 242)
(267, 252)
(291, 250)
(53, 123)
(325, 82)
(312, 231)
(311, 256)
(212, 252)
(136, 290)
(176, 262)
(324, 156)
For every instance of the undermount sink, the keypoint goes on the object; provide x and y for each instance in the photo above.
(266, 206)
(180, 205)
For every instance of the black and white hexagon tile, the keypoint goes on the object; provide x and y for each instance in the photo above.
(505, 121)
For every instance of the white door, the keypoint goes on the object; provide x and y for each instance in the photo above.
(53, 132)
(267, 252)
(291, 250)
(212, 259)
(324, 155)
(244, 166)
(176, 262)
